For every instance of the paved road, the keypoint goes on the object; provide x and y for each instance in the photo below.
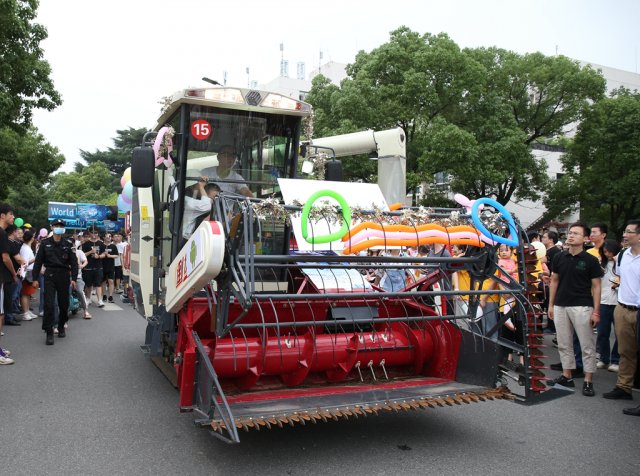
(93, 404)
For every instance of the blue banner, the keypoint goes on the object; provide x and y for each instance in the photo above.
(62, 210)
(81, 216)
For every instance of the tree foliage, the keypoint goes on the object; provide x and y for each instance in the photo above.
(25, 82)
(327, 122)
(471, 113)
(91, 185)
(601, 165)
(118, 157)
(26, 159)
(30, 203)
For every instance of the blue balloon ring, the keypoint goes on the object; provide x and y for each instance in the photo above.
(505, 214)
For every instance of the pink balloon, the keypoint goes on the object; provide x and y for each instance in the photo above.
(465, 202)
(43, 232)
(122, 181)
(422, 236)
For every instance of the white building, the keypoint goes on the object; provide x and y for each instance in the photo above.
(336, 72)
(533, 214)
(299, 88)
(295, 88)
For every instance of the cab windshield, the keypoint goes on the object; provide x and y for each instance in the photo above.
(263, 148)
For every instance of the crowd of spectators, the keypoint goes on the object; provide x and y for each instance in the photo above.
(100, 273)
(590, 285)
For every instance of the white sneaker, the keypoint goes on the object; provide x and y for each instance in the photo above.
(613, 368)
(66, 325)
(6, 361)
(26, 317)
(55, 330)
(601, 365)
(41, 314)
(100, 303)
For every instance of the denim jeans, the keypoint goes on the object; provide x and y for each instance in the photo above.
(81, 297)
(490, 319)
(16, 307)
(7, 304)
(607, 354)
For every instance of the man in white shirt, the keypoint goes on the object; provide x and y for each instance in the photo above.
(625, 314)
(117, 239)
(82, 262)
(224, 171)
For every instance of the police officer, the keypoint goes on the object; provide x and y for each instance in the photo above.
(57, 255)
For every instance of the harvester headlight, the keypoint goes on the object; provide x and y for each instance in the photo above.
(224, 95)
(277, 101)
(217, 94)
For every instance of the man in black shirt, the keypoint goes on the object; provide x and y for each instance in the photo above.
(9, 287)
(7, 273)
(15, 244)
(574, 305)
(94, 250)
(58, 256)
(108, 265)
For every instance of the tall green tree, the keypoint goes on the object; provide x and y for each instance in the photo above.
(30, 203)
(91, 185)
(118, 157)
(486, 144)
(407, 82)
(25, 82)
(472, 113)
(601, 165)
(26, 159)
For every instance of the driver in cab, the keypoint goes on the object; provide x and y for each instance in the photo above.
(224, 171)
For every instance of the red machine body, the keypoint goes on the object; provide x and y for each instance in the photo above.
(248, 363)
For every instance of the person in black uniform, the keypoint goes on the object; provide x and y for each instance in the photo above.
(58, 256)
(95, 252)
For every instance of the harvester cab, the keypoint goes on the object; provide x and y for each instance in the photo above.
(277, 300)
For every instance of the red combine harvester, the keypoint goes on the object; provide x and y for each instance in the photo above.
(270, 303)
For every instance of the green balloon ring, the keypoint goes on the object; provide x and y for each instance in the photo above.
(346, 217)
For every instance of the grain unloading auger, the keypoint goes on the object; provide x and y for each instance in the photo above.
(264, 315)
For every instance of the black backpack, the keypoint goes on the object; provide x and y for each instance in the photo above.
(616, 263)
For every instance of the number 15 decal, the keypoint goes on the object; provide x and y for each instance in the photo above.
(200, 129)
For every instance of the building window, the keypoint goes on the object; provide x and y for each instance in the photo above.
(442, 180)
